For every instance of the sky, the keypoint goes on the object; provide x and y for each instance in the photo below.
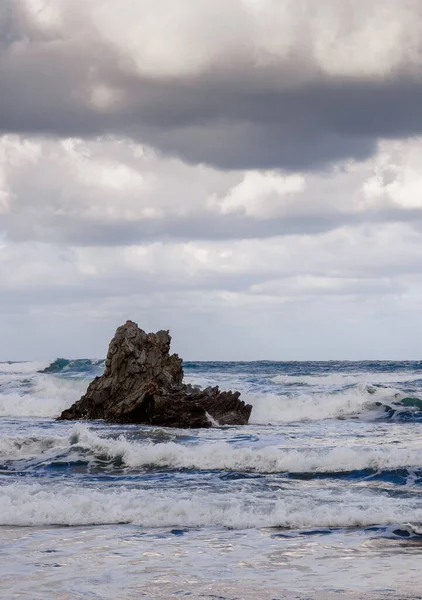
(247, 174)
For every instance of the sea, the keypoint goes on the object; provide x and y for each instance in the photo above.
(319, 497)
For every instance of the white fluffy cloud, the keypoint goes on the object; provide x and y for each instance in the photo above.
(115, 192)
(183, 37)
(261, 195)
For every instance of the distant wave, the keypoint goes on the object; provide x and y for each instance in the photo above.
(79, 365)
(345, 379)
(21, 367)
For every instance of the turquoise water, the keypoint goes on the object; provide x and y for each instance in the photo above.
(318, 497)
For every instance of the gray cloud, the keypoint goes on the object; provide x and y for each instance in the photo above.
(336, 295)
(242, 107)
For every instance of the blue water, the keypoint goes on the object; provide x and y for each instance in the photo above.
(318, 497)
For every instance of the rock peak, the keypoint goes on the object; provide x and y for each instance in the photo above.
(143, 383)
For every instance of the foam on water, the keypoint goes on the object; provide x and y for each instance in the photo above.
(359, 401)
(36, 504)
(340, 459)
(46, 397)
(22, 367)
(218, 456)
(342, 379)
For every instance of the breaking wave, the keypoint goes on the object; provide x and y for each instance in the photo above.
(362, 401)
(76, 366)
(46, 396)
(27, 391)
(84, 445)
(342, 379)
(38, 505)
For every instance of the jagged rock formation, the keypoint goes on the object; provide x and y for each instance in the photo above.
(143, 383)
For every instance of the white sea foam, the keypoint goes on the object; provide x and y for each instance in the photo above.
(50, 395)
(211, 419)
(16, 405)
(359, 401)
(219, 456)
(19, 447)
(23, 367)
(47, 398)
(223, 456)
(59, 504)
(343, 379)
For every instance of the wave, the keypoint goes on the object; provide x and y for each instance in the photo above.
(19, 448)
(363, 402)
(21, 367)
(343, 379)
(38, 505)
(84, 444)
(406, 531)
(47, 397)
(79, 365)
(25, 392)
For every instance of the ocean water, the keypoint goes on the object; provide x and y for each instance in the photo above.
(320, 496)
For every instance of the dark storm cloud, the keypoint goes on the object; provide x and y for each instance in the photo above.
(232, 114)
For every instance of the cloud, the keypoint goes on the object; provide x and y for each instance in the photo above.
(112, 192)
(333, 295)
(282, 84)
(246, 170)
(261, 195)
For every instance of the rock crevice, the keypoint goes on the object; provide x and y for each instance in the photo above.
(143, 383)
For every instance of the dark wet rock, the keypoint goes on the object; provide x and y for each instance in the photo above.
(143, 383)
